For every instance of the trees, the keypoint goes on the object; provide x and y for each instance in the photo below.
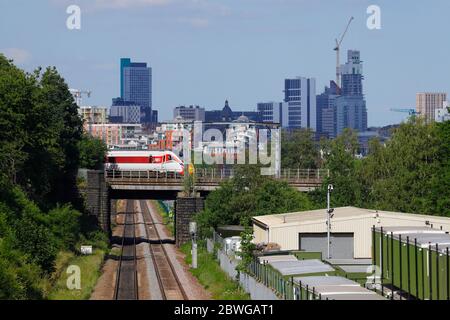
(409, 173)
(340, 160)
(92, 152)
(39, 135)
(40, 142)
(298, 150)
(249, 194)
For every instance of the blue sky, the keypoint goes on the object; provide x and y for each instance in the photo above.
(204, 51)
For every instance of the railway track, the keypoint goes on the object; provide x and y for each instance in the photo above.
(169, 283)
(127, 281)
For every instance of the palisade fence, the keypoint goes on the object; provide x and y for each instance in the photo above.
(287, 289)
(418, 271)
(282, 287)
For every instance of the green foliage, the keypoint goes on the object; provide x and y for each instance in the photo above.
(92, 152)
(298, 150)
(40, 142)
(39, 135)
(404, 175)
(64, 225)
(212, 277)
(36, 242)
(248, 194)
(343, 166)
(409, 173)
(247, 249)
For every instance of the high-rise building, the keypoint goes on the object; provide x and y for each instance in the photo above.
(443, 114)
(350, 107)
(350, 113)
(352, 75)
(271, 112)
(325, 105)
(93, 115)
(300, 103)
(428, 102)
(136, 86)
(190, 113)
(340, 108)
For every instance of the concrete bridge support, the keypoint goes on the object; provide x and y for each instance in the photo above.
(185, 210)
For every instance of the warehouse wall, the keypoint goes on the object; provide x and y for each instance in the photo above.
(260, 234)
(286, 235)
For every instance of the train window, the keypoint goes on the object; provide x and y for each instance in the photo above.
(155, 159)
(150, 160)
(169, 157)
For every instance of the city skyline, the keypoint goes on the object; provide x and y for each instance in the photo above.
(222, 51)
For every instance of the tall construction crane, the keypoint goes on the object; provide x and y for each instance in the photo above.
(77, 94)
(410, 111)
(338, 51)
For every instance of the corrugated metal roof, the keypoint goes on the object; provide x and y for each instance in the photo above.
(408, 230)
(424, 236)
(349, 261)
(311, 216)
(353, 297)
(275, 258)
(340, 213)
(355, 268)
(337, 288)
(316, 281)
(290, 268)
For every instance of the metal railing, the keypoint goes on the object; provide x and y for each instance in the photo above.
(213, 176)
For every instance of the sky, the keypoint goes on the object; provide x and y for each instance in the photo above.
(203, 52)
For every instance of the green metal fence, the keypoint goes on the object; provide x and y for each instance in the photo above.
(422, 273)
(284, 287)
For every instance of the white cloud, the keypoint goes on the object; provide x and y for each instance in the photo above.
(198, 22)
(121, 4)
(20, 56)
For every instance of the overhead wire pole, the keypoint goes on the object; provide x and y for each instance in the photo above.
(338, 50)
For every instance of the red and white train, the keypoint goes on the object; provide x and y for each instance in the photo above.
(158, 161)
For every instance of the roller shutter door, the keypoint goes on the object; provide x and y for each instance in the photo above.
(342, 244)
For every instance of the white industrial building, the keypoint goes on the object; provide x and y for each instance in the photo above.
(351, 229)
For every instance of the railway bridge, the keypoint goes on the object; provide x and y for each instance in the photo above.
(105, 187)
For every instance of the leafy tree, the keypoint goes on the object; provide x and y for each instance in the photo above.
(92, 152)
(404, 174)
(340, 160)
(298, 150)
(40, 134)
(249, 194)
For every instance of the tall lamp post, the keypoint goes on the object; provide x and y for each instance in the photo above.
(329, 216)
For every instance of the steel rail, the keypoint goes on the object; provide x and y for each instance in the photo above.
(147, 214)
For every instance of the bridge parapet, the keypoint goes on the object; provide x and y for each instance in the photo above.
(210, 177)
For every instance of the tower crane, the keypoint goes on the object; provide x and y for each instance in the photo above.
(77, 94)
(410, 111)
(338, 50)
